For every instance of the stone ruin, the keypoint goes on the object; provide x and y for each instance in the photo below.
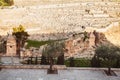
(32, 52)
(11, 46)
(8, 46)
(76, 45)
(79, 45)
(79, 48)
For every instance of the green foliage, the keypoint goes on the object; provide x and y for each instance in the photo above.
(54, 49)
(20, 33)
(86, 36)
(6, 2)
(79, 62)
(21, 37)
(33, 43)
(37, 44)
(104, 63)
(82, 62)
(107, 55)
(18, 29)
(107, 52)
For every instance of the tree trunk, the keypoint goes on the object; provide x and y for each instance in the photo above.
(43, 60)
(18, 49)
(51, 70)
(28, 61)
(19, 43)
(36, 60)
(109, 70)
(72, 64)
(0, 60)
(11, 2)
(60, 60)
(31, 59)
(19, 46)
(51, 63)
(117, 63)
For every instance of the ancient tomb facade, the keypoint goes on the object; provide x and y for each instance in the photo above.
(11, 46)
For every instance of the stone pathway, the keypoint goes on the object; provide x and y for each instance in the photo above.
(10, 60)
(37, 74)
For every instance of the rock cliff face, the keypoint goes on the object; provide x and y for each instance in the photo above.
(77, 47)
(112, 33)
(84, 44)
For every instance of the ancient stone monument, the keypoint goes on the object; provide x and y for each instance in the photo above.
(11, 46)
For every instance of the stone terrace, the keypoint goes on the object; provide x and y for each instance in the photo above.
(66, 17)
(38, 2)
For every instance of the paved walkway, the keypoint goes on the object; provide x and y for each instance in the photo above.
(10, 60)
(40, 74)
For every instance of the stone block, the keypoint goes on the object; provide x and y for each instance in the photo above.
(101, 15)
(95, 11)
(87, 15)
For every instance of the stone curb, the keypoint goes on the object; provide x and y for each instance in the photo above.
(90, 68)
(31, 66)
(60, 67)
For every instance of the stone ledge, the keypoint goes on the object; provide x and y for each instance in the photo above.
(31, 66)
(91, 68)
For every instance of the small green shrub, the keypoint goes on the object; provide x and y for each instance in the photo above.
(37, 44)
(79, 62)
(6, 2)
(107, 56)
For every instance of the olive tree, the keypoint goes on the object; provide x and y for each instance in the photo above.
(108, 54)
(53, 50)
(10, 2)
(6, 2)
(21, 37)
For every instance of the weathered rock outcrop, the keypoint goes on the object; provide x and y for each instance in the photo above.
(79, 48)
(113, 34)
